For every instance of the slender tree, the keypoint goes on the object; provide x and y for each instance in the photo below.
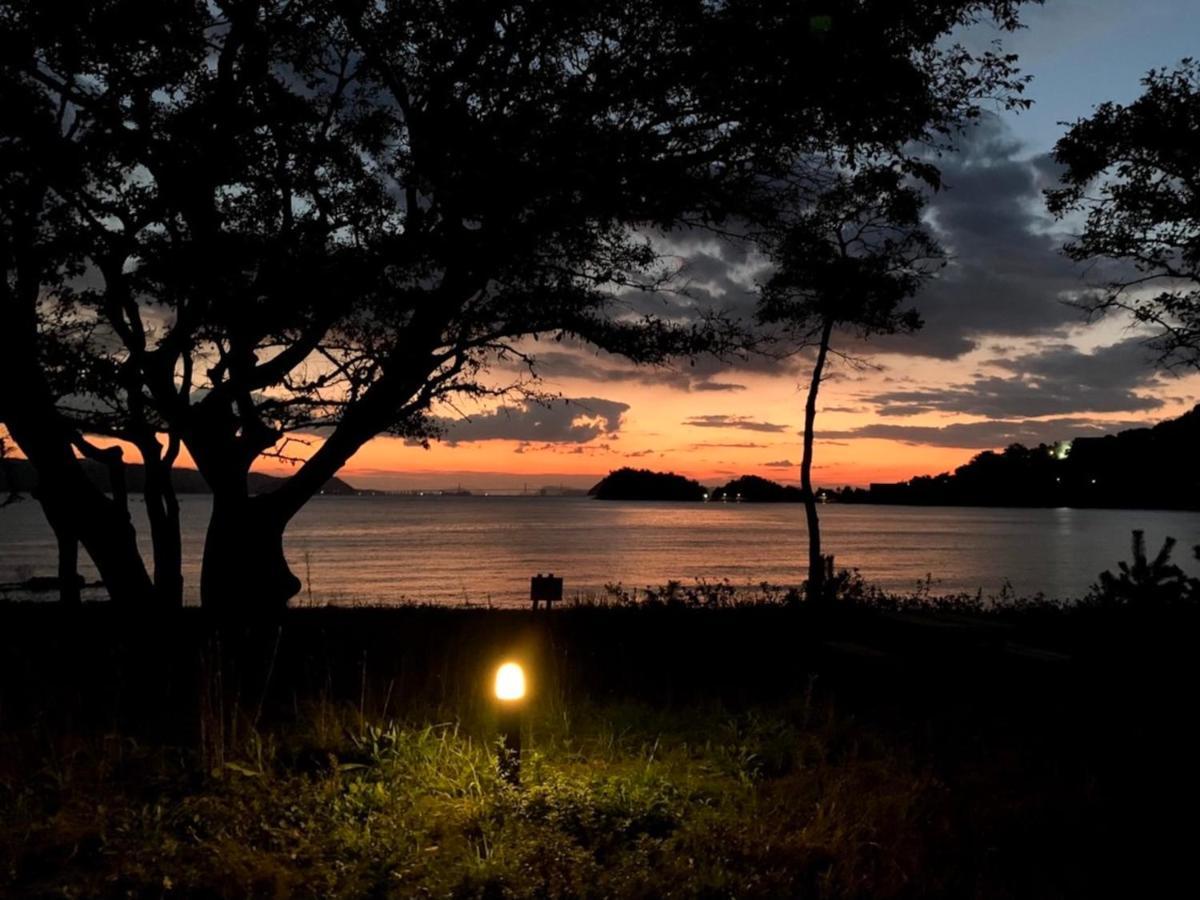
(1133, 172)
(299, 217)
(846, 263)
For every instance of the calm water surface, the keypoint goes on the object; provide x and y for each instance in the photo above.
(483, 549)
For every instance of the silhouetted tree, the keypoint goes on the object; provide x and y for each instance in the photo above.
(40, 252)
(298, 217)
(1135, 172)
(850, 261)
(642, 484)
(1145, 582)
(1143, 468)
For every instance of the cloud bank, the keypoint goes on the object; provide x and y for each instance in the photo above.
(568, 421)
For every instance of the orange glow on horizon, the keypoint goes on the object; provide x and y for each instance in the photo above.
(751, 427)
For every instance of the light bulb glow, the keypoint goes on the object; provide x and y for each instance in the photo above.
(510, 682)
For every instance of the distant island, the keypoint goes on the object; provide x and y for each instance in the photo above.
(752, 489)
(1152, 468)
(19, 475)
(642, 484)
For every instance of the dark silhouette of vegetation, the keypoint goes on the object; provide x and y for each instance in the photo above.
(1147, 583)
(753, 489)
(768, 750)
(228, 225)
(1132, 170)
(1137, 468)
(642, 484)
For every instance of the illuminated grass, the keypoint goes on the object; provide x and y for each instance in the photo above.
(667, 752)
(628, 802)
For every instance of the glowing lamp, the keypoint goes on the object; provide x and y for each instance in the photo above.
(510, 691)
(510, 682)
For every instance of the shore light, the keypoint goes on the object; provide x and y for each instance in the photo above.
(510, 691)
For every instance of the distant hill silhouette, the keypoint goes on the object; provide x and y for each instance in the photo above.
(752, 489)
(19, 475)
(1154, 468)
(642, 484)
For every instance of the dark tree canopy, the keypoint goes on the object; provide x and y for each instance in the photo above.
(643, 484)
(255, 220)
(853, 257)
(753, 489)
(1134, 173)
(1146, 468)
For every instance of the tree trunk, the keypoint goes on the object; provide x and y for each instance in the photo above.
(168, 557)
(244, 572)
(106, 534)
(68, 565)
(162, 509)
(78, 509)
(816, 587)
(70, 500)
(163, 512)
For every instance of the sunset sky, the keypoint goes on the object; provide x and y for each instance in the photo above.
(1001, 357)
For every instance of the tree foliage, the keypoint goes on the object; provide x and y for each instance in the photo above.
(1145, 582)
(1133, 172)
(852, 257)
(263, 220)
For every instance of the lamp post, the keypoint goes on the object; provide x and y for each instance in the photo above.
(510, 694)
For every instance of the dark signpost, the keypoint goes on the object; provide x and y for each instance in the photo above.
(545, 588)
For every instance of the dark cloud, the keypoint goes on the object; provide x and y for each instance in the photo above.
(580, 362)
(711, 273)
(567, 449)
(1006, 275)
(1056, 380)
(745, 423)
(570, 421)
(717, 386)
(781, 464)
(707, 446)
(987, 435)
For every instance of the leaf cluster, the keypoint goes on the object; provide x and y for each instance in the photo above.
(1133, 173)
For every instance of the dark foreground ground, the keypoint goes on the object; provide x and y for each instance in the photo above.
(762, 751)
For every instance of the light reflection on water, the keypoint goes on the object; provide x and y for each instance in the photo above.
(476, 549)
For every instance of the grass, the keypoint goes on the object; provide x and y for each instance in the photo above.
(1042, 751)
(630, 802)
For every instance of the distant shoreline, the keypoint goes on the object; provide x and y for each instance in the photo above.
(824, 505)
